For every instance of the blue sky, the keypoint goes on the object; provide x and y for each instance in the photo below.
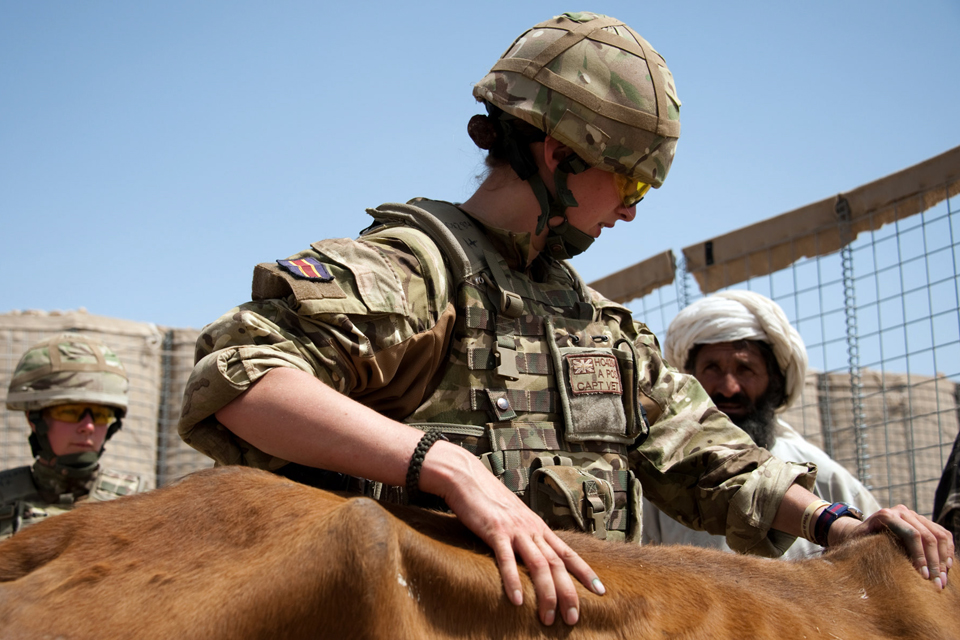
(151, 153)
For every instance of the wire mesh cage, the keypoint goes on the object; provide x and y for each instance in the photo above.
(869, 279)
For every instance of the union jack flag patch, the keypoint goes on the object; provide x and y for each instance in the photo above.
(307, 268)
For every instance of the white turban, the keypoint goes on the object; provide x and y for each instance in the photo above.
(729, 316)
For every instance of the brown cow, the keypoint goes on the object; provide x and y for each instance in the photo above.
(237, 553)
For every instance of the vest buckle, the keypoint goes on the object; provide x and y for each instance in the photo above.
(511, 304)
(594, 511)
(506, 362)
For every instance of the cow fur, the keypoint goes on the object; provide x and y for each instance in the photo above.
(239, 554)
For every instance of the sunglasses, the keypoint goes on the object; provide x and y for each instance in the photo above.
(631, 191)
(102, 416)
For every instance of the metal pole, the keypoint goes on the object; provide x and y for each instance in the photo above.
(682, 283)
(164, 418)
(853, 339)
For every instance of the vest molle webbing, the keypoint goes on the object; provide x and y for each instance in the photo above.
(540, 383)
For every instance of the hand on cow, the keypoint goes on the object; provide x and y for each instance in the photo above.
(325, 429)
(929, 545)
(512, 530)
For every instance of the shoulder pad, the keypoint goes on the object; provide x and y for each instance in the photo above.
(433, 262)
(452, 230)
(602, 302)
(113, 484)
(373, 274)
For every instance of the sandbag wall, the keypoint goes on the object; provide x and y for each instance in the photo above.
(174, 457)
(909, 425)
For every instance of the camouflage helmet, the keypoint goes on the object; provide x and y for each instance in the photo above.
(66, 368)
(594, 84)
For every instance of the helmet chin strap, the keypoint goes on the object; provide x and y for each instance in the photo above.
(563, 240)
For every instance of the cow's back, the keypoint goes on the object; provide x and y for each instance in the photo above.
(236, 553)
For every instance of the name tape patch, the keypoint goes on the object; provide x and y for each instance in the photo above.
(594, 374)
(307, 268)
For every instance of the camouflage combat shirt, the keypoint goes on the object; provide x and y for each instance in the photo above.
(53, 495)
(387, 323)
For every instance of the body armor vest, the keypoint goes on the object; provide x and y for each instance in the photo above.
(540, 382)
(30, 494)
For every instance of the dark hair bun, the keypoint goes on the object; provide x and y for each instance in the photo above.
(482, 131)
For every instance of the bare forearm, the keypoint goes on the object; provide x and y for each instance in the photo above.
(292, 415)
(791, 511)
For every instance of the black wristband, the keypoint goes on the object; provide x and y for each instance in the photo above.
(416, 461)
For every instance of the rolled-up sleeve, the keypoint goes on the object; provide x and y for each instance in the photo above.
(394, 315)
(233, 353)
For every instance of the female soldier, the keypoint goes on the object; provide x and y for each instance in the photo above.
(73, 392)
(464, 322)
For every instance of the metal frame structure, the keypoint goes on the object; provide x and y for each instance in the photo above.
(869, 278)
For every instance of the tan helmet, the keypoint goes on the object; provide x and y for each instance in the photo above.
(594, 84)
(68, 368)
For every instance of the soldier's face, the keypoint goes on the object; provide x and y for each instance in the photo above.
(734, 375)
(75, 437)
(599, 205)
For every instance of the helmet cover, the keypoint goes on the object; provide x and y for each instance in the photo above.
(595, 85)
(68, 367)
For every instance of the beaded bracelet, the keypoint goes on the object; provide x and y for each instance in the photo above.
(807, 521)
(416, 461)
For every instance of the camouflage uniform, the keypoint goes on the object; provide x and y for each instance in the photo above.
(558, 391)
(51, 494)
(67, 368)
(435, 320)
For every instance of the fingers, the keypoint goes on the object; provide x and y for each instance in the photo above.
(549, 562)
(946, 551)
(568, 602)
(508, 572)
(576, 565)
(537, 558)
(924, 544)
(518, 535)
(548, 559)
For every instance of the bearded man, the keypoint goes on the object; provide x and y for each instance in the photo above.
(752, 362)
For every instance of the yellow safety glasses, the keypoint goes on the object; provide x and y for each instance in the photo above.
(631, 191)
(73, 412)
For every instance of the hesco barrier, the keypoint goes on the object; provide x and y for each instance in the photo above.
(157, 361)
(869, 279)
